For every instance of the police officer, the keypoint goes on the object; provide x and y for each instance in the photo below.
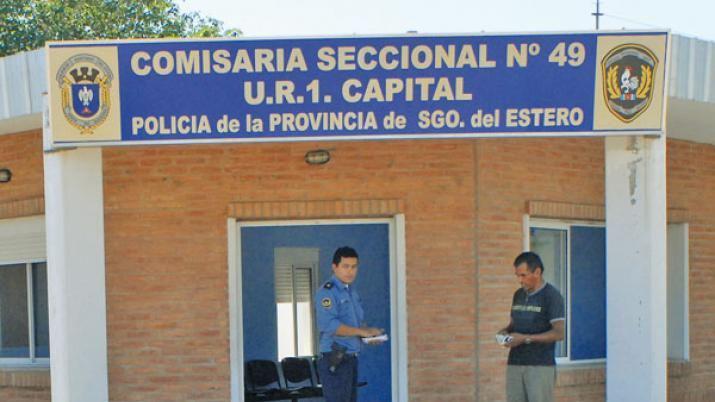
(340, 317)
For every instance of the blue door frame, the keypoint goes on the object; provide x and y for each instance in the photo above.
(370, 239)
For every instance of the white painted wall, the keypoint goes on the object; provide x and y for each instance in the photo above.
(636, 269)
(74, 213)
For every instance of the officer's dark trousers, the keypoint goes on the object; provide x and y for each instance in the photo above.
(341, 385)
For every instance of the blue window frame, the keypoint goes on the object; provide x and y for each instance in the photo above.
(574, 256)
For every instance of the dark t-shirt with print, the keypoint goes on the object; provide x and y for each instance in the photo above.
(533, 314)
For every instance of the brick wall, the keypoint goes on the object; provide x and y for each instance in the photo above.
(166, 255)
(691, 186)
(571, 171)
(22, 154)
(510, 174)
(24, 385)
(24, 394)
(22, 196)
(165, 219)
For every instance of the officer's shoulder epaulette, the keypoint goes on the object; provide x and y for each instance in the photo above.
(328, 285)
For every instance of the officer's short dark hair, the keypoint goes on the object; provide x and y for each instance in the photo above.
(531, 259)
(344, 251)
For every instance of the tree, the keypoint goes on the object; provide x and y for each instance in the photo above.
(28, 24)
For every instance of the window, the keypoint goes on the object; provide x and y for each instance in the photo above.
(24, 322)
(678, 323)
(24, 325)
(574, 257)
(295, 276)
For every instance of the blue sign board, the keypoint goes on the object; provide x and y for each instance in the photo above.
(357, 88)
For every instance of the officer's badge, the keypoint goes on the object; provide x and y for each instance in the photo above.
(326, 302)
(628, 73)
(85, 81)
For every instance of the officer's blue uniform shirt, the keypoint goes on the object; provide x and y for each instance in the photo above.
(337, 303)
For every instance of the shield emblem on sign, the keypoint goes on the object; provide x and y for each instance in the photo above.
(628, 74)
(85, 100)
(85, 81)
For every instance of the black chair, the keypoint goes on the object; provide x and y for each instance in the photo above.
(314, 360)
(299, 377)
(263, 383)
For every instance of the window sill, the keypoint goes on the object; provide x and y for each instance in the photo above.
(678, 368)
(575, 374)
(25, 377)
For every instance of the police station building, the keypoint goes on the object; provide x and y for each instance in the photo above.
(169, 208)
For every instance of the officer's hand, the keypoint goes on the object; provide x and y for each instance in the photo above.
(369, 331)
(373, 332)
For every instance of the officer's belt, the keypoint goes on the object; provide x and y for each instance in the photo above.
(348, 354)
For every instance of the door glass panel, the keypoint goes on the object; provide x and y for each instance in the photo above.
(304, 310)
(284, 310)
(286, 336)
(294, 276)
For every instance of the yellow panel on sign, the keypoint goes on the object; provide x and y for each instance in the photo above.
(84, 94)
(629, 82)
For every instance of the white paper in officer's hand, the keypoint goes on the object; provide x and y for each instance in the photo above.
(371, 340)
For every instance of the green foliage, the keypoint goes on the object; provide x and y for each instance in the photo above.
(28, 24)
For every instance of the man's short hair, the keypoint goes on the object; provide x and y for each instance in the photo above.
(531, 259)
(344, 251)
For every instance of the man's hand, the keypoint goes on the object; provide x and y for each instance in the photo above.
(508, 328)
(555, 334)
(517, 339)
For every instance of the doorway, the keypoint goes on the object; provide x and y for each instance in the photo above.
(280, 265)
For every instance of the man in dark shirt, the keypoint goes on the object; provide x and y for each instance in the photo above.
(537, 323)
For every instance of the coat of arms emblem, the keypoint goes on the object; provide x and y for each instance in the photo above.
(85, 81)
(628, 73)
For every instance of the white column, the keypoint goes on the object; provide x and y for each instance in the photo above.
(636, 269)
(74, 214)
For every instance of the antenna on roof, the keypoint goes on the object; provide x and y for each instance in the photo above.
(598, 13)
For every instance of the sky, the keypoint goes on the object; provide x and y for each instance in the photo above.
(280, 18)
